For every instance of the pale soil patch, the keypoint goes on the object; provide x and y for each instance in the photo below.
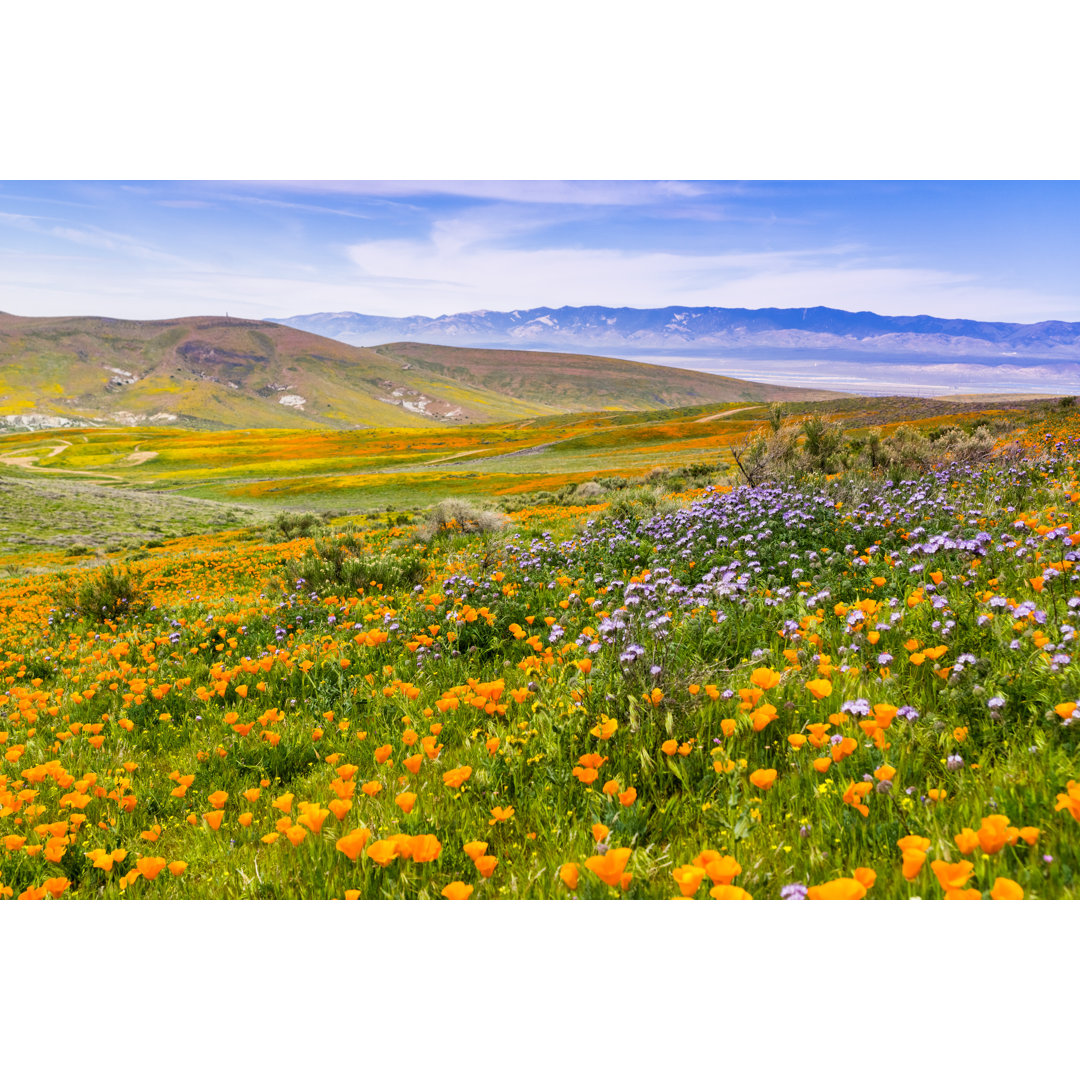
(139, 457)
(721, 415)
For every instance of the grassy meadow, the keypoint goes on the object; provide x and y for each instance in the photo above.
(724, 651)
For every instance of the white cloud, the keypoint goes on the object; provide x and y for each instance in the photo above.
(482, 275)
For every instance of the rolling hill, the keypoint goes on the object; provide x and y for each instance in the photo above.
(567, 382)
(223, 373)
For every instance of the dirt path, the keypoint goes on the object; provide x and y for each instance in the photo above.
(30, 464)
(721, 415)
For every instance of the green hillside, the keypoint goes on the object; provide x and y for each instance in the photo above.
(220, 373)
(571, 383)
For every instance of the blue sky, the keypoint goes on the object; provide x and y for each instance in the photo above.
(985, 250)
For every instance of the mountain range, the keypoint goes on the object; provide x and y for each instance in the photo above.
(220, 373)
(711, 328)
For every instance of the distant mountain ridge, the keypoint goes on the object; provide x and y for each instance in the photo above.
(709, 327)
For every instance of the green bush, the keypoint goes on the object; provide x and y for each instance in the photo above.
(338, 564)
(103, 596)
(458, 516)
(293, 525)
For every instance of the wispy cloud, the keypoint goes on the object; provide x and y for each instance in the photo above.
(301, 207)
(550, 192)
(485, 275)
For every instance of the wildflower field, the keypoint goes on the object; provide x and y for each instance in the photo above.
(861, 684)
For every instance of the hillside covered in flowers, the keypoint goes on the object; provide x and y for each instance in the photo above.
(842, 686)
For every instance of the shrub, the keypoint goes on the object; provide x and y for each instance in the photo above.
(105, 595)
(458, 516)
(589, 492)
(292, 525)
(634, 505)
(337, 564)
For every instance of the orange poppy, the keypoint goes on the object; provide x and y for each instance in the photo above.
(688, 878)
(913, 848)
(765, 678)
(425, 848)
(865, 876)
(486, 865)
(966, 841)
(763, 716)
(383, 852)
(995, 833)
(856, 793)
(150, 866)
(838, 889)
(1069, 799)
(729, 892)
(763, 779)
(406, 801)
(475, 848)
(628, 797)
(1006, 889)
(214, 818)
(568, 874)
(454, 778)
(845, 748)
(372, 788)
(56, 886)
(722, 870)
(952, 875)
(609, 866)
(352, 843)
(312, 816)
(605, 729)
(457, 890)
